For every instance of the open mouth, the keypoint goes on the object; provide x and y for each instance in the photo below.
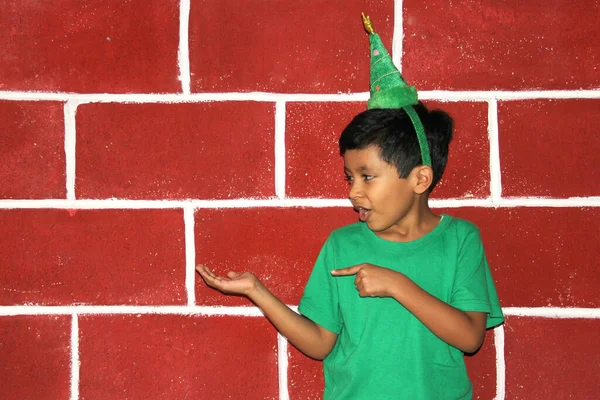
(363, 213)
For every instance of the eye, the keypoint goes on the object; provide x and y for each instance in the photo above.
(348, 178)
(368, 177)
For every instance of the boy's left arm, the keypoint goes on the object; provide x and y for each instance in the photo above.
(464, 330)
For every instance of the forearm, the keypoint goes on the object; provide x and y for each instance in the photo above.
(303, 333)
(450, 324)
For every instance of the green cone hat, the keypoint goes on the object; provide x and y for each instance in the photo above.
(389, 89)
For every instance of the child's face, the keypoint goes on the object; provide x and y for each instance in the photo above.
(380, 196)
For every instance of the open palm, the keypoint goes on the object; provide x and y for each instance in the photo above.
(233, 283)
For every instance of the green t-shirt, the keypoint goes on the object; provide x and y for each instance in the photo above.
(383, 352)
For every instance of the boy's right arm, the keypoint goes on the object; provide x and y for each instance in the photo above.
(309, 337)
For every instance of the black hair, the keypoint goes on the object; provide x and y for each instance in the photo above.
(392, 131)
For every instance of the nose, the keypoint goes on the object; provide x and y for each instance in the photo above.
(355, 191)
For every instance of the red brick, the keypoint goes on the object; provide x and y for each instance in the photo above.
(175, 151)
(103, 46)
(33, 155)
(481, 368)
(279, 245)
(512, 45)
(305, 376)
(549, 147)
(467, 173)
(35, 353)
(58, 257)
(540, 256)
(315, 169)
(311, 46)
(177, 357)
(552, 358)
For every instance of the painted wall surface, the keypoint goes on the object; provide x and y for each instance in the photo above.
(140, 137)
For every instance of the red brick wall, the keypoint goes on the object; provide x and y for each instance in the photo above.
(140, 137)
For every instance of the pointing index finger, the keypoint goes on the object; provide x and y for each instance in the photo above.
(346, 271)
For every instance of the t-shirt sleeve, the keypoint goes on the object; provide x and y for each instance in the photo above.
(474, 288)
(319, 302)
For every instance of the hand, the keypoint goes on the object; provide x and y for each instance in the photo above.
(371, 280)
(233, 283)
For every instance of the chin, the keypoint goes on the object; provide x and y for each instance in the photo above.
(374, 227)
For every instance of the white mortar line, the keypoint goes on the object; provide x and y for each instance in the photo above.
(81, 98)
(250, 311)
(280, 153)
(553, 312)
(172, 204)
(190, 255)
(110, 204)
(508, 95)
(282, 366)
(36, 96)
(500, 363)
(494, 143)
(183, 55)
(133, 310)
(70, 110)
(75, 363)
(441, 95)
(398, 36)
(549, 202)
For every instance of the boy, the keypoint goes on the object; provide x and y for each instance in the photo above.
(394, 300)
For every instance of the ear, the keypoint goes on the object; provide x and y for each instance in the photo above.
(423, 175)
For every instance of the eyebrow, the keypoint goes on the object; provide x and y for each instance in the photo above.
(362, 168)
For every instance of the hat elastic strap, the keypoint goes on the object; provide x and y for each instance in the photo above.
(416, 121)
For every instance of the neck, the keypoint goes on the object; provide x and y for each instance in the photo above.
(418, 222)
